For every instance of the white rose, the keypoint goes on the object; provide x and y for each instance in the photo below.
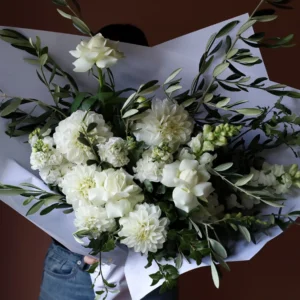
(114, 151)
(67, 133)
(144, 230)
(190, 181)
(98, 50)
(94, 219)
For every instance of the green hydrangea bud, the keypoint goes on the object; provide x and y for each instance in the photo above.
(162, 153)
(40, 146)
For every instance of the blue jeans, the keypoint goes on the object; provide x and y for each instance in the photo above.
(65, 278)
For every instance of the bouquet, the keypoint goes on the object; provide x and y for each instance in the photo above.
(173, 179)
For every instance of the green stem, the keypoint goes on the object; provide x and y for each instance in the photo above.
(100, 77)
(48, 87)
(242, 134)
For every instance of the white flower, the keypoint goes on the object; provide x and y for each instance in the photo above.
(44, 154)
(94, 219)
(185, 153)
(67, 133)
(248, 202)
(117, 190)
(36, 134)
(114, 151)
(284, 183)
(232, 202)
(196, 143)
(265, 178)
(98, 50)
(190, 181)
(166, 122)
(207, 159)
(144, 230)
(148, 169)
(77, 185)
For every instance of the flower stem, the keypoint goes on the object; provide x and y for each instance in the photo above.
(100, 77)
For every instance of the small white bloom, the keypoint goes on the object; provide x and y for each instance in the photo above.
(284, 183)
(54, 174)
(196, 143)
(232, 202)
(248, 202)
(94, 219)
(98, 50)
(147, 169)
(144, 230)
(77, 185)
(67, 133)
(117, 190)
(114, 151)
(265, 178)
(166, 122)
(190, 181)
(44, 154)
(207, 159)
(185, 153)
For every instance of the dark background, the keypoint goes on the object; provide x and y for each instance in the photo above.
(274, 272)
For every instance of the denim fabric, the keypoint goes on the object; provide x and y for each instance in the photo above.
(64, 276)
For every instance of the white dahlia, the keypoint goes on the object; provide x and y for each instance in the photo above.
(44, 154)
(67, 133)
(94, 219)
(144, 230)
(190, 180)
(166, 122)
(78, 185)
(114, 151)
(117, 190)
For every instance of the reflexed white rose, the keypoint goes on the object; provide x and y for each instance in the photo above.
(166, 122)
(67, 133)
(117, 190)
(144, 230)
(147, 169)
(78, 185)
(94, 219)
(54, 174)
(44, 154)
(114, 151)
(98, 50)
(190, 181)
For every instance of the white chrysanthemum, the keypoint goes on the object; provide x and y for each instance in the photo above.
(148, 169)
(166, 122)
(67, 133)
(94, 219)
(77, 185)
(117, 190)
(190, 181)
(98, 50)
(44, 154)
(54, 174)
(144, 230)
(114, 151)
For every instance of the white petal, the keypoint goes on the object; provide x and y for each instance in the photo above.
(184, 200)
(106, 62)
(75, 53)
(170, 173)
(82, 65)
(188, 164)
(117, 209)
(97, 196)
(203, 189)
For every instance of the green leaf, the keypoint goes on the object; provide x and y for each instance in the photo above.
(220, 69)
(130, 113)
(77, 101)
(80, 25)
(91, 126)
(218, 248)
(246, 26)
(266, 18)
(210, 42)
(232, 53)
(32, 61)
(227, 28)
(148, 186)
(215, 275)
(99, 292)
(294, 94)
(35, 207)
(179, 261)
(244, 180)
(68, 211)
(217, 48)
(271, 203)
(188, 102)
(208, 97)
(43, 59)
(247, 60)
(60, 2)
(93, 267)
(149, 90)
(83, 141)
(228, 87)
(249, 111)
(127, 102)
(173, 88)
(173, 75)
(48, 209)
(223, 167)
(223, 103)
(245, 232)
(13, 106)
(206, 65)
(294, 213)
(28, 200)
(63, 14)
(88, 103)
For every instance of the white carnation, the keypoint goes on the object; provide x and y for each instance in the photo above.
(44, 154)
(93, 219)
(148, 169)
(166, 122)
(114, 151)
(98, 50)
(77, 185)
(190, 181)
(117, 190)
(144, 230)
(67, 133)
